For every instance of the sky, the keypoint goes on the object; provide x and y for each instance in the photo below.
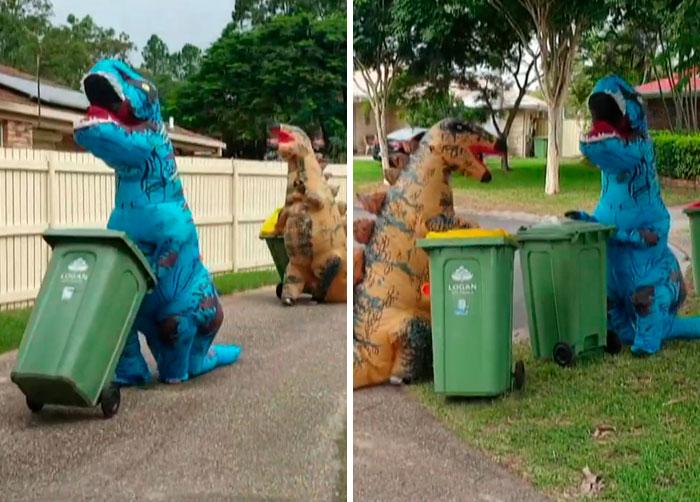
(177, 22)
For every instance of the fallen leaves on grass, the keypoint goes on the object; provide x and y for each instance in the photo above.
(592, 484)
(675, 401)
(603, 431)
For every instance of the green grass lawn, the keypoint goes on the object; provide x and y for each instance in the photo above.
(546, 432)
(521, 189)
(12, 323)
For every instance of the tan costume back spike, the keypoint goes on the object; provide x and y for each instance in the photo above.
(312, 222)
(391, 324)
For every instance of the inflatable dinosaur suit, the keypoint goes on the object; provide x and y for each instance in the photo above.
(181, 317)
(391, 324)
(312, 222)
(645, 284)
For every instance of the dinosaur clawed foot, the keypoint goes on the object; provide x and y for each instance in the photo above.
(226, 354)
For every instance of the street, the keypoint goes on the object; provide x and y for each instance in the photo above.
(267, 426)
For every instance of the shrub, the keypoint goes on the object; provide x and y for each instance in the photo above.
(677, 154)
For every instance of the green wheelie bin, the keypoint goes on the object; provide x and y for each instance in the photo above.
(275, 243)
(693, 213)
(564, 267)
(86, 307)
(471, 303)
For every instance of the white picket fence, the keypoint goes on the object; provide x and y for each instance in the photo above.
(40, 189)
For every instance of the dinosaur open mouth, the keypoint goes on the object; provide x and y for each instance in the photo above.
(479, 150)
(107, 103)
(609, 120)
(278, 136)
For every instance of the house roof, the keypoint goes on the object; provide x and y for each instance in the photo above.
(19, 87)
(469, 97)
(472, 99)
(51, 93)
(651, 89)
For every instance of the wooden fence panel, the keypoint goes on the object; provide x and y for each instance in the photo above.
(45, 189)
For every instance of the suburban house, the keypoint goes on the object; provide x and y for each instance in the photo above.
(27, 122)
(530, 120)
(658, 98)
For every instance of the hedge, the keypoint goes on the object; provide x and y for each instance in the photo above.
(677, 154)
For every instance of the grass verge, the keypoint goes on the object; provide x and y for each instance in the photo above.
(232, 282)
(522, 188)
(645, 411)
(12, 323)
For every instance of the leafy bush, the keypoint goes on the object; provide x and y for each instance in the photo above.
(677, 154)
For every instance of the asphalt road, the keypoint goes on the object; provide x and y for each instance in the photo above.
(266, 427)
(402, 453)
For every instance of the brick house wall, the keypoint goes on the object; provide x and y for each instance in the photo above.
(17, 134)
(656, 115)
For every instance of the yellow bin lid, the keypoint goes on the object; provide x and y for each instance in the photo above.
(468, 233)
(268, 227)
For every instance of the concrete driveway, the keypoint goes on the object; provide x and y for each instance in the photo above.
(267, 427)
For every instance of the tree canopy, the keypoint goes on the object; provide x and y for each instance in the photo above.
(250, 13)
(64, 52)
(288, 69)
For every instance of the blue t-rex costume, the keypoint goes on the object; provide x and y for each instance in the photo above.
(181, 317)
(645, 284)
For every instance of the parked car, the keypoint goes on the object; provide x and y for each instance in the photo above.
(399, 141)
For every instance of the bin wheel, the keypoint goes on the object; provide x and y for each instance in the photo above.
(35, 406)
(613, 343)
(519, 375)
(278, 290)
(563, 354)
(110, 398)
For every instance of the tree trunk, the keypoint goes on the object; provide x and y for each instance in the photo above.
(380, 118)
(504, 158)
(554, 135)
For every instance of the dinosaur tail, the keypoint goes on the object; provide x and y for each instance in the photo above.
(685, 328)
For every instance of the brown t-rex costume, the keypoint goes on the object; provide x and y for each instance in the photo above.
(312, 222)
(391, 324)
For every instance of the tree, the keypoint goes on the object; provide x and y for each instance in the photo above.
(187, 61)
(466, 42)
(156, 57)
(378, 58)
(22, 24)
(433, 105)
(558, 26)
(250, 13)
(290, 69)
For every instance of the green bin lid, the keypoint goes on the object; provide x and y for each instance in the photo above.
(566, 230)
(54, 237)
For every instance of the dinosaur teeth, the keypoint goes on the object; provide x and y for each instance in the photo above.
(91, 121)
(598, 137)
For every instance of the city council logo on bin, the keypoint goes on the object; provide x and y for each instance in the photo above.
(77, 271)
(462, 274)
(462, 308)
(461, 281)
(78, 265)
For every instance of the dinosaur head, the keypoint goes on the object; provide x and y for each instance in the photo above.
(617, 112)
(290, 141)
(123, 116)
(462, 146)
